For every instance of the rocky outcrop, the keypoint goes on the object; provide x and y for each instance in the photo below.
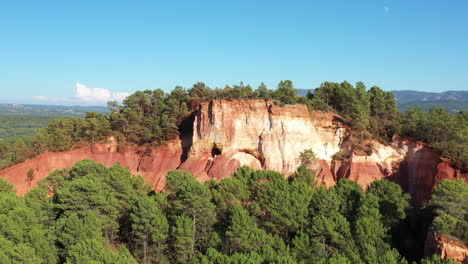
(260, 134)
(364, 169)
(446, 247)
(221, 136)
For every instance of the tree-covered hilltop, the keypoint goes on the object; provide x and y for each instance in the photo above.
(60, 135)
(93, 214)
(150, 118)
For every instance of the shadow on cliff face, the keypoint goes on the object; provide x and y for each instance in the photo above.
(417, 176)
(409, 236)
(338, 120)
(186, 136)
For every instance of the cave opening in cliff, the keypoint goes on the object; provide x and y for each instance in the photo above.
(215, 151)
(186, 135)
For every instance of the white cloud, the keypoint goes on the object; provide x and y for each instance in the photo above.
(87, 95)
(41, 97)
(386, 9)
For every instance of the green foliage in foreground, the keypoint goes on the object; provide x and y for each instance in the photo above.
(450, 204)
(105, 215)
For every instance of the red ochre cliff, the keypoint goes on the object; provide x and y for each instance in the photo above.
(223, 135)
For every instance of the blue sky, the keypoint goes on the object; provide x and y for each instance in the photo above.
(49, 49)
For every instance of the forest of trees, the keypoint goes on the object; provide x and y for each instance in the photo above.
(150, 118)
(93, 214)
(374, 114)
(60, 135)
(22, 125)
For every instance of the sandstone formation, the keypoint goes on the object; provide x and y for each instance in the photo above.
(446, 247)
(260, 134)
(223, 135)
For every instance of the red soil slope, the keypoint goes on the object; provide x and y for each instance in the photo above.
(152, 167)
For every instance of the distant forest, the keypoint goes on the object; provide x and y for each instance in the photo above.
(22, 125)
(150, 118)
(19, 120)
(48, 110)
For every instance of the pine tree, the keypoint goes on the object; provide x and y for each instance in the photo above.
(393, 203)
(4, 148)
(301, 248)
(305, 175)
(239, 230)
(286, 92)
(149, 230)
(184, 238)
(19, 149)
(193, 199)
(263, 92)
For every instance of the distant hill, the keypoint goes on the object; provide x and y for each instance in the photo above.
(453, 106)
(49, 110)
(406, 96)
(453, 101)
(303, 92)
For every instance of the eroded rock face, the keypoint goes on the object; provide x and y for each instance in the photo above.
(446, 247)
(223, 135)
(422, 169)
(364, 169)
(259, 134)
